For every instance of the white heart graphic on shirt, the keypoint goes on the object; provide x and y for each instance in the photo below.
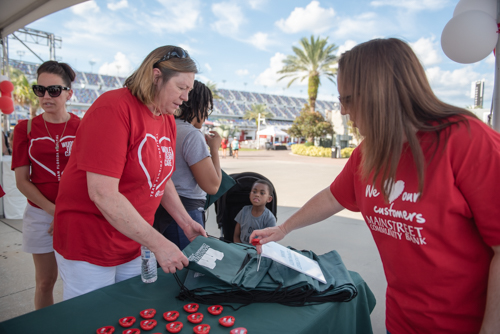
(396, 190)
(33, 141)
(146, 172)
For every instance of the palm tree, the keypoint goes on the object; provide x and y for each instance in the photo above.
(213, 88)
(23, 94)
(254, 112)
(314, 59)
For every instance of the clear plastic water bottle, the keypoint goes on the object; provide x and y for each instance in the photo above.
(149, 273)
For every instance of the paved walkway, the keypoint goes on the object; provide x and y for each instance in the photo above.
(295, 178)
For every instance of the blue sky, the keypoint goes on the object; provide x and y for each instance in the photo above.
(239, 44)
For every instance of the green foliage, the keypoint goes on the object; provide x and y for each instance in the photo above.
(326, 142)
(312, 151)
(226, 131)
(23, 94)
(314, 58)
(213, 88)
(346, 152)
(308, 144)
(255, 110)
(309, 125)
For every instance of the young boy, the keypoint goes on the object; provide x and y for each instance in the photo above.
(255, 216)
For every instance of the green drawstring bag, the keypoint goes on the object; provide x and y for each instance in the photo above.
(223, 272)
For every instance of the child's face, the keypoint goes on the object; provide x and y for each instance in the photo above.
(260, 194)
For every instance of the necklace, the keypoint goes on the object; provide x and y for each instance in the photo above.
(57, 139)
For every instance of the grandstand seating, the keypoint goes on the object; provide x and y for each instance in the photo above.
(89, 86)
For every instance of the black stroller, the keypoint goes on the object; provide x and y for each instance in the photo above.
(229, 204)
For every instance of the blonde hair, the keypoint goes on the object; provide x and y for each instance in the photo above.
(391, 99)
(142, 84)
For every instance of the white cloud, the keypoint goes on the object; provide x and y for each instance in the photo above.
(257, 4)
(490, 59)
(208, 67)
(348, 45)
(118, 5)
(120, 66)
(260, 40)
(426, 50)
(365, 24)
(311, 18)
(229, 18)
(412, 4)
(176, 17)
(242, 72)
(85, 8)
(270, 76)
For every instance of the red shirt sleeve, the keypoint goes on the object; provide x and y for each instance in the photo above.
(20, 145)
(342, 187)
(101, 144)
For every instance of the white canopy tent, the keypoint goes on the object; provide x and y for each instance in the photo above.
(271, 131)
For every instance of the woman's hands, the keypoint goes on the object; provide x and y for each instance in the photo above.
(169, 257)
(275, 233)
(213, 141)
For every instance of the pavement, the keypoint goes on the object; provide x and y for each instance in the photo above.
(296, 179)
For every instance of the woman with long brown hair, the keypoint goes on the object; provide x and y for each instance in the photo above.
(425, 179)
(119, 173)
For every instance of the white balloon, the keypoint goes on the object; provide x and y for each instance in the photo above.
(469, 37)
(487, 6)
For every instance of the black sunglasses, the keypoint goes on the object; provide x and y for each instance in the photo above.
(175, 53)
(54, 91)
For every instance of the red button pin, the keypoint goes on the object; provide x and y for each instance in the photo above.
(239, 330)
(202, 329)
(175, 327)
(148, 324)
(191, 308)
(132, 331)
(227, 321)
(171, 315)
(215, 309)
(195, 318)
(127, 321)
(106, 330)
(148, 313)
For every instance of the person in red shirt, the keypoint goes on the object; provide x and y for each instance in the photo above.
(426, 180)
(39, 157)
(119, 172)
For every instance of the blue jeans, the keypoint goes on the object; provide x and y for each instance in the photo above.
(175, 234)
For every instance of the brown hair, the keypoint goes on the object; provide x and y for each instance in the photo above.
(63, 70)
(142, 84)
(199, 103)
(391, 98)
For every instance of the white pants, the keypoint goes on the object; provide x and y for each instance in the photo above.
(80, 277)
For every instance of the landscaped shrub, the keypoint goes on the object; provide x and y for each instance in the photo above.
(312, 151)
(346, 152)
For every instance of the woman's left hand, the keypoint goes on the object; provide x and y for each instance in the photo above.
(51, 228)
(193, 230)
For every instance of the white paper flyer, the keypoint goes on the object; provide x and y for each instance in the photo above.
(293, 260)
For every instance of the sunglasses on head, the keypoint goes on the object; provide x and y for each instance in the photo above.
(175, 53)
(54, 91)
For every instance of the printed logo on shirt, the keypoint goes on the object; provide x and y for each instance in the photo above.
(45, 144)
(154, 173)
(392, 221)
(169, 155)
(67, 145)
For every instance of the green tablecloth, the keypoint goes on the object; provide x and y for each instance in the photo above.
(103, 307)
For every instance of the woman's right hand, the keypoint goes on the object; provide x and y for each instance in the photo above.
(213, 140)
(275, 233)
(170, 258)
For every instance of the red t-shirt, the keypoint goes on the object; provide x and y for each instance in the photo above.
(435, 248)
(119, 137)
(38, 149)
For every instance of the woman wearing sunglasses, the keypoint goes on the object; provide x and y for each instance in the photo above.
(197, 168)
(119, 173)
(42, 147)
(426, 179)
